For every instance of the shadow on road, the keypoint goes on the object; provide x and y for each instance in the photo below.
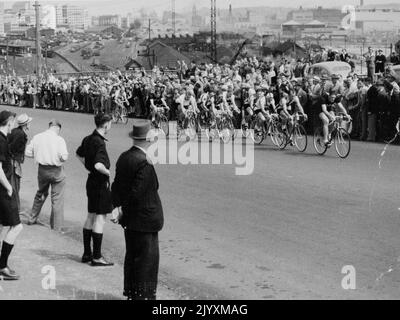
(51, 255)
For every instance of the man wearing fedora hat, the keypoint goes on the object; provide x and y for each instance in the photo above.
(140, 213)
(17, 141)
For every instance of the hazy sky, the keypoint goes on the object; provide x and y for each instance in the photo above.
(124, 6)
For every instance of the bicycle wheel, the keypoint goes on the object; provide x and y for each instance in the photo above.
(284, 136)
(202, 121)
(342, 143)
(191, 128)
(278, 137)
(212, 131)
(224, 131)
(300, 138)
(273, 133)
(124, 116)
(164, 125)
(231, 127)
(319, 144)
(256, 132)
(115, 116)
(244, 127)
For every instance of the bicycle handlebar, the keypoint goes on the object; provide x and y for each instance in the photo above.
(340, 118)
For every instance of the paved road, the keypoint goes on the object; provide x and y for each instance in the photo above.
(284, 232)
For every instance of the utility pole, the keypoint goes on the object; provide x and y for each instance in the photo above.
(38, 51)
(7, 56)
(173, 18)
(45, 58)
(149, 29)
(214, 30)
(149, 55)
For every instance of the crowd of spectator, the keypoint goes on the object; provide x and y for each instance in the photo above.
(373, 101)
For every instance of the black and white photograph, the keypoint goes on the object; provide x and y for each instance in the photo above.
(209, 150)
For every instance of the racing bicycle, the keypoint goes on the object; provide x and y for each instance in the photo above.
(337, 136)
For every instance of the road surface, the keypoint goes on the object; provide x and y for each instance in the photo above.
(284, 232)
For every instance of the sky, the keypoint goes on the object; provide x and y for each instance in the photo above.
(97, 7)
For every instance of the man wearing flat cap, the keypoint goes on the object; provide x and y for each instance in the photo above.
(50, 152)
(17, 141)
(140, 213)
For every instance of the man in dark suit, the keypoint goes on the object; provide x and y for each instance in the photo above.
(380, 61)
(139, 211)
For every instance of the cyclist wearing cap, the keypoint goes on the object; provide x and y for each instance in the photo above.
(218, 106)
(290, 105)
(260, 105)
(327, 108)
(270, 102)
(157, 104)
(207, 101)
(248, 97)
(187, 102)
(229, 101)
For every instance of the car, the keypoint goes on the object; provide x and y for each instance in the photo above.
(329, 68)
(396, 69)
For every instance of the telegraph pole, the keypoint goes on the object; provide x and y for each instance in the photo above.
(149, 30)
(214, 30)
(173, 18)
(148, 54)
(7, 56)
(38, 51)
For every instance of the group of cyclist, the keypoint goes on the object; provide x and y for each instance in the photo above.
(250, 88)
(244, 100)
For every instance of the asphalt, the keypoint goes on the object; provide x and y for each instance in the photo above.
(284, 232)
(49, 264)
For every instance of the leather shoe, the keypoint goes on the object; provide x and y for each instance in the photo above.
(101, 263)
(7, 274)
(11, 270)
(87, 258)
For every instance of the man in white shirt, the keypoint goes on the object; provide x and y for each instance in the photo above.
(50, 151)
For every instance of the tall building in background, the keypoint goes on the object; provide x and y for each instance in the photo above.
(72, 17)
(49, 17)
(110, 20)
(2, 18)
